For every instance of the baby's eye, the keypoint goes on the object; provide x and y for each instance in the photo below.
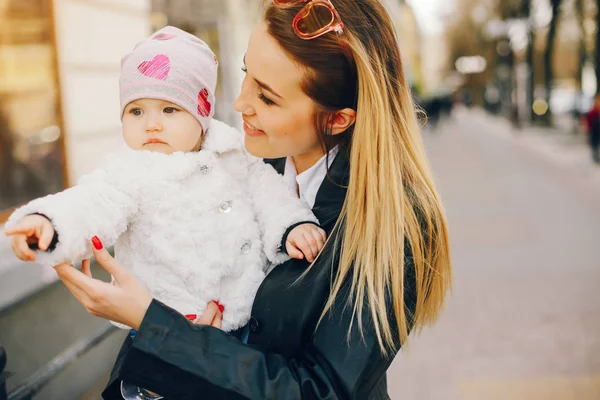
(170, 110)
(135, 111)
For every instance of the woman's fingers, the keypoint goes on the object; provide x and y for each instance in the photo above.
(208, 316)
(107, 261)
(218, 320)
(66, 273)
(85, 267)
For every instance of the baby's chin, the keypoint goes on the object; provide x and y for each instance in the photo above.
(158, 148)
(162, 148)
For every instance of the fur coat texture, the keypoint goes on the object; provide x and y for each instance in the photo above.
(193, 227)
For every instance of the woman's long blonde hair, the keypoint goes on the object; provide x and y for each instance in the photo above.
(391, 194)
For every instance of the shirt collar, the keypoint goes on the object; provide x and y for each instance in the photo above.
(309, 181)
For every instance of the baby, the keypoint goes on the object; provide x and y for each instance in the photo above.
(193, 215)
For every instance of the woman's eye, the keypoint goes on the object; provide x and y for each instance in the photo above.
(170, 110)
(136, 111)
(265, 100)
(244, 69)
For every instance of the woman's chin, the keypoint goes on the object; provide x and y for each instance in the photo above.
(259, 146)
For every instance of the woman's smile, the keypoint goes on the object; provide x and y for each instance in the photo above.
(252, 130)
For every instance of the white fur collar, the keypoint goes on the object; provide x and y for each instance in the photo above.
(221, 138)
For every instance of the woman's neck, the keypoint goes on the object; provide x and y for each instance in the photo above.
(304, 161)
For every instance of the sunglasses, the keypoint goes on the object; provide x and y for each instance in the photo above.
(315, 19)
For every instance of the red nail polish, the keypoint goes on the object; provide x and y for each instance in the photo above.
(220, 306)
(191, 317)
(97, 243)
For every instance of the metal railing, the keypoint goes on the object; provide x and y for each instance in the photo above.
(36, 382)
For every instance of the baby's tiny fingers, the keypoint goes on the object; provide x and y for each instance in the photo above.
(312, 242)
(293, 251)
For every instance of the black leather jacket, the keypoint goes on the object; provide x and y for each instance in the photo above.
(285, 358)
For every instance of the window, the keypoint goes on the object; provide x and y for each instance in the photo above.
(32, 158)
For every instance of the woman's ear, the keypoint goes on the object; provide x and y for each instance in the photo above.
(342, 120)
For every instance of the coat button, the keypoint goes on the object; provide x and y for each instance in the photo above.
(254, 325)
(204, 169)
(246, 248)
(225, 207)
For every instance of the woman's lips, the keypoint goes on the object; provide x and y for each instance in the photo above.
(251, 130)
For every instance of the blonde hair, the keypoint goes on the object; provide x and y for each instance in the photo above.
(391, 195)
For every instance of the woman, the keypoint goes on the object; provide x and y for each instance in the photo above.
(335, 102)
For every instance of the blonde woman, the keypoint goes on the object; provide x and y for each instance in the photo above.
(326, 102)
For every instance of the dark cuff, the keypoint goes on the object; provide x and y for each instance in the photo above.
(287, 232)
(53, 243)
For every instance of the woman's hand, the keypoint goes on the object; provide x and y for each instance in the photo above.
(213, 315)
(125, 300)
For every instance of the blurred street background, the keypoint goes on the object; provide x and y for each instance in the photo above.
(506, 86)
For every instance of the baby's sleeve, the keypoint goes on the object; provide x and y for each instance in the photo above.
(277, 207)
(96, 206)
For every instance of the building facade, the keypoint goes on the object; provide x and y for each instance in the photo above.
(59, 96)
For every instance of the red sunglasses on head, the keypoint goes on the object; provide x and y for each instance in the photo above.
(315, 19)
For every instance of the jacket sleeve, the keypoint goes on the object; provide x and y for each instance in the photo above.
(277, 207)
(95, 206)
(195, 359)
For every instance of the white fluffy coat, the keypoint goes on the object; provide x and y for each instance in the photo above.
(193, 227)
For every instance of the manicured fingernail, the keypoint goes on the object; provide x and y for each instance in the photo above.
(97, 243)
(220, 306)
(191, 317)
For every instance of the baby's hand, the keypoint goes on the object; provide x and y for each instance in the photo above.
(31, 230)
(305, 241)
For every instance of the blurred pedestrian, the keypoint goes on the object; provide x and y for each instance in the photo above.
(593, 125)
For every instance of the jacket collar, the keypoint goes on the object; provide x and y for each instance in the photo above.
(332, 192)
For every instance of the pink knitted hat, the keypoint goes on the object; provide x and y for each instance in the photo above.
(175, 66)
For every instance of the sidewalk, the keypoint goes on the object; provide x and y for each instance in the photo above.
(523, 317)
(559, 147)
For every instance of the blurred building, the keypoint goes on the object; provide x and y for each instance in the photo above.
(409, 37)
(59, 69)
(59, 107)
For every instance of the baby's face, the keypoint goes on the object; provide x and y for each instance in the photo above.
(160, 126)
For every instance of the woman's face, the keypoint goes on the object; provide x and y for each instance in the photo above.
(278, 115)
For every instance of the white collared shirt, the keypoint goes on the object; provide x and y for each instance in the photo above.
(308, 182)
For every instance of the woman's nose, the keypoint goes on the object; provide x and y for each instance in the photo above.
(242, 105)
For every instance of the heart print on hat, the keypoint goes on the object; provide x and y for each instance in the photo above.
(204, 106)
(159, 67)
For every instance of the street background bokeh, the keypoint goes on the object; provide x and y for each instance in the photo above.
(505, 84)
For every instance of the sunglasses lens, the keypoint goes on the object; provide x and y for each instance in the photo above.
(314, 18)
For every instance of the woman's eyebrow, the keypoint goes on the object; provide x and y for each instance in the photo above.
(267, 87)
(264, 85)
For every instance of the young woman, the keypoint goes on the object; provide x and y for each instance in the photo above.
(325, 99)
